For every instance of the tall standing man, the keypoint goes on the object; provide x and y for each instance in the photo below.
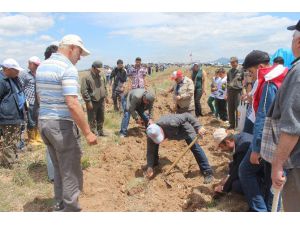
(60, 114)
(235, 78)
(199, 78)
(119, 77)
(94, 93)
(287, 110)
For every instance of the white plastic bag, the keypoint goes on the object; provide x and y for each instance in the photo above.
(242, 112)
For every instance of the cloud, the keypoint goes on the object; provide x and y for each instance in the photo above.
(24, 24)
(206, 34)
(47, 38)
(22, 50)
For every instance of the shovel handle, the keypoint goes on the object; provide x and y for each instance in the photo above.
(182, 154)
(276, 193)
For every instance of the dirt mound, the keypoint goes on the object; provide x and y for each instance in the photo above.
(118, 183)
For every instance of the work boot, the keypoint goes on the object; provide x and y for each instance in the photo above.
(37, 136)
(31, 137)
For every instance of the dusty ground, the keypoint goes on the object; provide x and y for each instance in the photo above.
(118, 184)
(113, 179)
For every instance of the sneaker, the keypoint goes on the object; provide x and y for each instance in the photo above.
(58, 207)
(208, 178)
(122, 136)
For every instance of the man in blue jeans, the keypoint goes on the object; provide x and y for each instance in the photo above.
(136, 103)
(176, 127)
(269, 80)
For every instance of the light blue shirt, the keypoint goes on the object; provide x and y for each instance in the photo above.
(56, 78)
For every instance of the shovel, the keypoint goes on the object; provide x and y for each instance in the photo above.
(164, 176)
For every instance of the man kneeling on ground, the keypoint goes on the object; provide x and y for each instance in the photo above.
(176, 127)
(238, 144)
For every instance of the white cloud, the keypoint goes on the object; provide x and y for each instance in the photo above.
(209, 35)
(22, 50)
(46, 38)
(24, 24)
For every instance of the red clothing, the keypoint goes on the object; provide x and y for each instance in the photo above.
(274, 74)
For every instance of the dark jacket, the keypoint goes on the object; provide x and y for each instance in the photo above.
(93, 87)
(197, 78)
(118, 76)
(10, 112)
(179, 126)
(242, 142)
(135, 103)
(235, 78)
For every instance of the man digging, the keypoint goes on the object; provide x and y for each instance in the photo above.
(176, 127)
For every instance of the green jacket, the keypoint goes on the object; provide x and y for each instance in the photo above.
(93, 87)
(197, 79)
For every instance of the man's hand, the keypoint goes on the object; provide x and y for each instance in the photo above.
(203, 92)
(278, 178)
(178, 97)
(254, 158)
(89, 106)
(91, 138)
(139, 122)
(225, 97)
(219, 189)
(106, 100)
(201, 132)
(150, 122)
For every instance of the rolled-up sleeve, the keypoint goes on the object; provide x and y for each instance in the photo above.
(70, 84)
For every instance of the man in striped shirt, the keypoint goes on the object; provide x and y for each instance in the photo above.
(60, 114)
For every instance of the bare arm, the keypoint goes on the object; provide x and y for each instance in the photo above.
(285, 146)
(79, 118)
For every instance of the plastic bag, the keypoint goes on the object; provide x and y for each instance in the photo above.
(242, 112)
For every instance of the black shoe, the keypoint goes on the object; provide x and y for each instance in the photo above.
(58, 207)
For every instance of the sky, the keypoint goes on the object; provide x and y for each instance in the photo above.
(155, 37)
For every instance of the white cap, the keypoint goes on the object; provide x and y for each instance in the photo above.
(34, 59)
(11, 64)
(72, 39)
(155, 133)
(219, 135)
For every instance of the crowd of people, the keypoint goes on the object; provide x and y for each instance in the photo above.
(47, 98)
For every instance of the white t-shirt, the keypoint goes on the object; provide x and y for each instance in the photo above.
(222, 88)
(215, 81)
